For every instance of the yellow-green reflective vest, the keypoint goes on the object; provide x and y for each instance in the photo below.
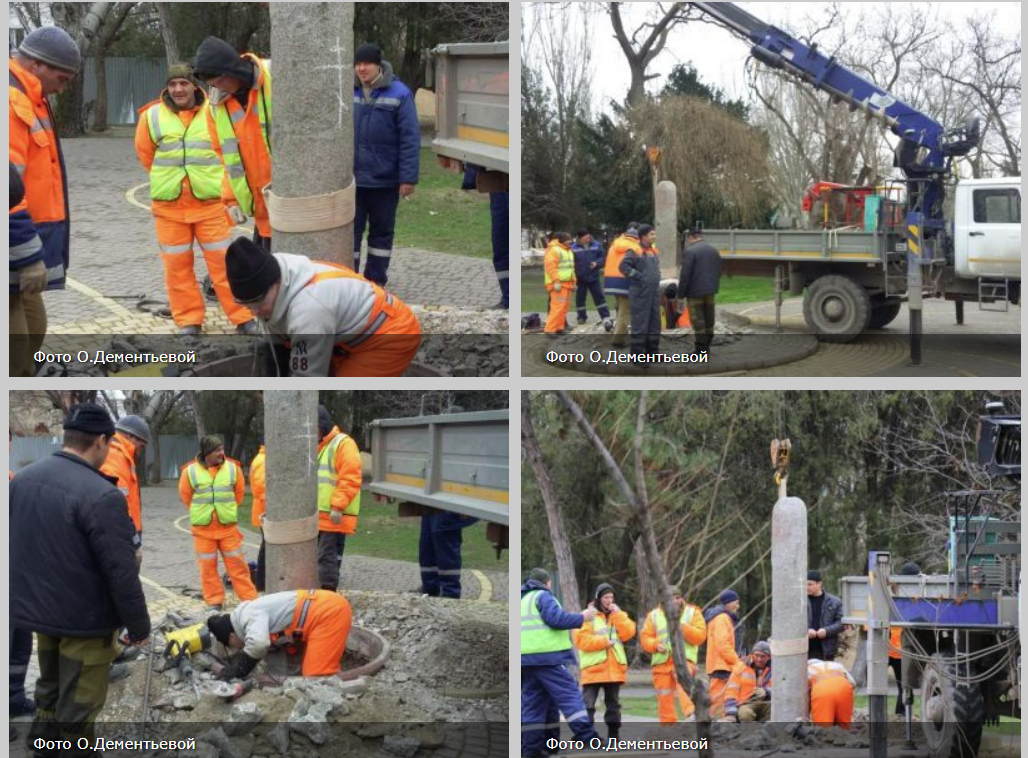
(565, 266)
(536, 636)
(595, 657)
(212, 493)
(227, 115)
(182, 151)
(328, 477)
(660, 622)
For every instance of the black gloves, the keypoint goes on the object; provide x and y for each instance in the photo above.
(238, 668)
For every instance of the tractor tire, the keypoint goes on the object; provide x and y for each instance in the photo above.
(952, 714)
(883, 312)
(836, 309)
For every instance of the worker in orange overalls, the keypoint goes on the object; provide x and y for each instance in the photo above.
(258, 506)
(335, 321)
(339, 496)
(47, 59)
(615, 284)
(131, 435)
(212, 488)
(559, 276)
(721, 655)
(655, 639)
(173, 142)
(831, 693)
(317, 620)
(240, 124)
(748, 694)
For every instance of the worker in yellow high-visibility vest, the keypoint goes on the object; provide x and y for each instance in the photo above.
(559, 277)
(339, 496)
(655, 639)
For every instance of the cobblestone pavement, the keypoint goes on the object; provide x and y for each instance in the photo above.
(114, 258)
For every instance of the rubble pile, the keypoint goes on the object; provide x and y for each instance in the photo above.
(446, 673)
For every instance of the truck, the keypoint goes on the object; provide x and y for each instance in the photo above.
(458, 462)
(961, 638)
(472, 90)
(958, 240)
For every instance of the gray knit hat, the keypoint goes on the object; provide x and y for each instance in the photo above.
(54, 47)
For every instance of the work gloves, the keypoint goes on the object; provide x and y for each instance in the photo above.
(32, 278)
(760, 695)
(238, 668)
(236, 214)
(337, 516)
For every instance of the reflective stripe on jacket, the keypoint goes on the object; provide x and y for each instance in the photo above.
(212, 493)
(386, 135)
(599, 663)
(536, 635)
(339, 482)
(182, 150)
(690, 615)
(121, 464)
(614, 282)
(820, 671)
(35, 152)
(742, 683)
(558, 264)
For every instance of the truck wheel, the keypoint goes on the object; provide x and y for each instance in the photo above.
(952, 713)
(837, 309)
(883, 312)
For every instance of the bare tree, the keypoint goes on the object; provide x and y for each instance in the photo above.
(197, 408)
(558, 535)
(645, 42)
(104, 39)
(155, 409)
(168, 32)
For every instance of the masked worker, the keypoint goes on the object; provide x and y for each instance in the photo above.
(616, 285)
(748, 695)
(336, 322)
(601, 656)
(239, 117)
(831, 693)
(589, 261)
(74, 578)
(173, 143)
(439, 556)
(47, 59)
(641, 267)
(655, 639)
(546, 652)
(559, 276)
(212, 488)
(386, 151)
(258, 507)
(721, 655)
(131, 436)
(317, 620)
(339, 496)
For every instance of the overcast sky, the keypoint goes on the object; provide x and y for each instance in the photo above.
(718, 56)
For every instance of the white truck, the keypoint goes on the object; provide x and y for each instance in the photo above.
(855, 277)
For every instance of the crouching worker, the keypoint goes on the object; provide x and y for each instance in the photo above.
(336, 322)
(831, 693)
(748, 694)
(319, 620)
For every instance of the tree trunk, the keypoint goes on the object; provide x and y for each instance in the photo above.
(291, 440)
(194, 404)
(559, 538)
(100, 104)
(168, 32)
(312, 133)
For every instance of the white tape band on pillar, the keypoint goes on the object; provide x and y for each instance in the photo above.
(290, 532)
(797, 646)
(315, 213)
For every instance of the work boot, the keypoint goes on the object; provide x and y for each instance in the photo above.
(118, 671)
(608, 325)
(582, 321)
(191, 330)
(249, 328)
(212, 609)
(500, 306)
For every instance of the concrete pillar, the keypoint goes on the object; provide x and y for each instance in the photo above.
(789, 610)
(878, 617)
(291, 440)
(666, 216)
(312, 122)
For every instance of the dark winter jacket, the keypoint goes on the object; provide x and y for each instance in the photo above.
(73, 567)
(386, 135)
(584, 257)
(556, 618)
(830, 621)
(642, 269)
(701, 271)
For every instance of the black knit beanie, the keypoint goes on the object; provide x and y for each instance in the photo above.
(368, 53)
(251, 269)
(220, 625)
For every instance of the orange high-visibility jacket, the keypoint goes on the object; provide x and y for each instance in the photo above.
(121, 464)
(823, 671)
(185, 492)
(186, 208)
(614, 282)
(743, 682)
(348, 485)
(257, 491)
(252, 150)
(694, 633)
(551, 265)
(610, 670)
(721, 655)
(895, 641)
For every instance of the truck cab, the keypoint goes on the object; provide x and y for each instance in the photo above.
(987, 229)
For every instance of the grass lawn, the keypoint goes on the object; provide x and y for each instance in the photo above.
(734, 289)
(382, 534)
(440, 216)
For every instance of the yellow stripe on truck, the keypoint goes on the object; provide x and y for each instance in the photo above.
(454, 488)
(487, 136)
